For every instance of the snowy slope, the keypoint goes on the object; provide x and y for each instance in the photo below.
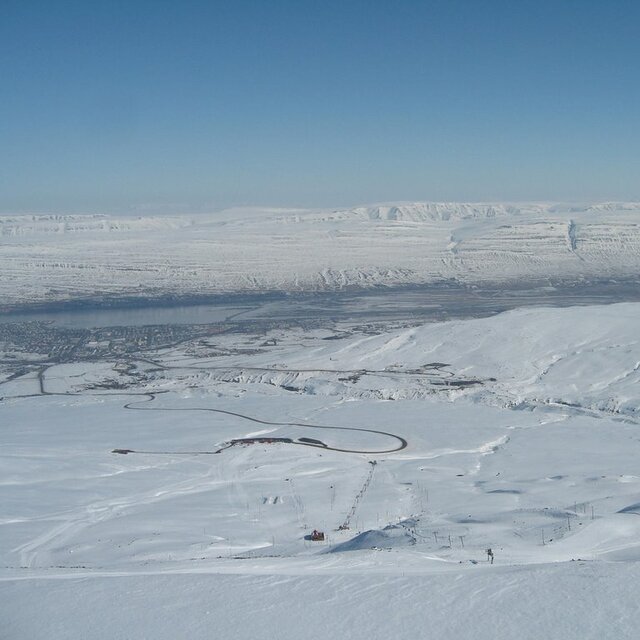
(580, 601)
(57, 258)
(521, 436)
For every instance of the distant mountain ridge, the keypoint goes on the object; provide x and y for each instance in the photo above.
(433, 211)
(27, 224)
(445, 211)
(53, 258)
(24, 225)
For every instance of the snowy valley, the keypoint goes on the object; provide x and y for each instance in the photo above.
(176, 483)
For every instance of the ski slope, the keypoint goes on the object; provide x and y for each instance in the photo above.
(522, 437)
(60, 258)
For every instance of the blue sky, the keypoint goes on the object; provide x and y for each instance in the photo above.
(133, 106)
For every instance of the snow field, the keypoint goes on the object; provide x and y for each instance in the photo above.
(536, 460)
(251, 250)
(576, 600)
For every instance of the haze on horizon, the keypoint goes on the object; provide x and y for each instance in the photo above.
(184, 107)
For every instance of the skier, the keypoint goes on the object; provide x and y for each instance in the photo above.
(490, 556)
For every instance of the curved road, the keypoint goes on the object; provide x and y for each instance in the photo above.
(402, 443)
(151, 396)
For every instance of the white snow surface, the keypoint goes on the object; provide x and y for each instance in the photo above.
(522, 436)
(53, 258)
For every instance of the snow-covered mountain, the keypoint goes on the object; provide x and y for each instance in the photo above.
(432, 211)
(519, 434)
(59, 224)
(57, 258)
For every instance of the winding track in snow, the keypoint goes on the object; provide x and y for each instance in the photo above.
(151, 396)
(402, 442)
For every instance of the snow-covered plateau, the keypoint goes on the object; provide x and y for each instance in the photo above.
(170, 490)
(58, 258)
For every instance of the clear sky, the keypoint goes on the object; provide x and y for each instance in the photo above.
(136, 105)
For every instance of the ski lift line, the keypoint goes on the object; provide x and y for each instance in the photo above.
(354, 507)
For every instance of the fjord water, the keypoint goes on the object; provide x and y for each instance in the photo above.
(426, 303)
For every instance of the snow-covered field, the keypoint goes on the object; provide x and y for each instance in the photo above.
(414, 448)
(58, 258)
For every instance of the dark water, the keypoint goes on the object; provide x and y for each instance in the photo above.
(428, 303)
(129, 317)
